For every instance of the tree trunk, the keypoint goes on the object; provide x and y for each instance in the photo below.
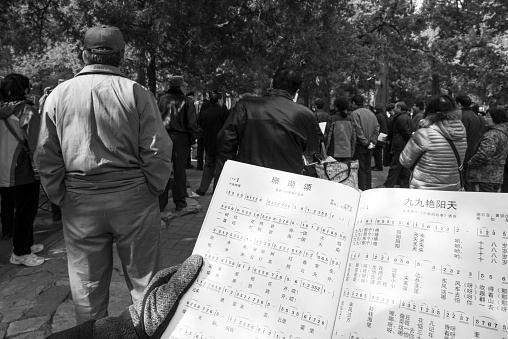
(435, 84)
(382, 84)
(152, 75)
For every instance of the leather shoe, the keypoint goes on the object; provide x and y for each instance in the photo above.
(375, 169)
(198, 192)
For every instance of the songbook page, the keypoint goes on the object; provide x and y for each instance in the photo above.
(427, 264)
(275, 246)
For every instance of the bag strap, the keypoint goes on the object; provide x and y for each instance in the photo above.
(457, 156)
(15, 135)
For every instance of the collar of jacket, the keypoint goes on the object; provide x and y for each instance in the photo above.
(100, 69)
(281, 93)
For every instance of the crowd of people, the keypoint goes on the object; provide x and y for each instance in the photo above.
(103, 148)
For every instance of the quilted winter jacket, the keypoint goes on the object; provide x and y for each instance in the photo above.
(15, 163)
(437, 167)
(487, 163)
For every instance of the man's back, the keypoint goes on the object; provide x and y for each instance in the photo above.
(367, 127)
(270, 131)
(211, 119)
(474, 129)
(97, 118)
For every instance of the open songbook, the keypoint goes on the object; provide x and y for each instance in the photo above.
(289, 256)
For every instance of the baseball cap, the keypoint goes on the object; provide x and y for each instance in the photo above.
(176, 81)
(104, 39)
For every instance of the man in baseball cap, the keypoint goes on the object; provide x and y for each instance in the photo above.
(103, 150)
(104, 40)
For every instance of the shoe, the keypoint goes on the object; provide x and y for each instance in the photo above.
(189, 167)
(198, 192)
(36, 248)
(375, 169)
(7, 236)
(180, 206)
(27, 260)
(380, 186)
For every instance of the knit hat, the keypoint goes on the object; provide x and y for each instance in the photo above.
(104, 40)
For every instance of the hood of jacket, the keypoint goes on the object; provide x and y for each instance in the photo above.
(451, 128)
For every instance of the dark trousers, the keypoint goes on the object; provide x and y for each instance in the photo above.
(378, 156)
(397, 171)
(180, 155)
(200, 153)
(208, 173)
(26, 202)
(7, 216)
(363, 155)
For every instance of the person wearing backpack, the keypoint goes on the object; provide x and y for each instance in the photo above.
(341, 132)
(19, 130)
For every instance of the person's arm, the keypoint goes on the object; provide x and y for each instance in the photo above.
(191, 126)
(415, 147)
(487, 147)
(360, 136)
(48, 155)
(373, 138)
(228, 139)
(404, 126)
(30, 122)
(155, 146)
(148, 318)
(353, 139)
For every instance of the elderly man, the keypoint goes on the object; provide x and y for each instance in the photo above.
(104, 157)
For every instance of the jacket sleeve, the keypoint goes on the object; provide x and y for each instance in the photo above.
(30, 122)
(353, 139)
(48, 156)
(191, 127)
(487, 148)
(155, 146)
(314, 138)
(228, 139)
(413, 150)
(360, 136)
(374, 136)
(404, 127)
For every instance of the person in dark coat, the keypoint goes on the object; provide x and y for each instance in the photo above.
(271, 131)
(474, 129)
(398, 136)
(179, 117)
(383, 128)
(211, 119)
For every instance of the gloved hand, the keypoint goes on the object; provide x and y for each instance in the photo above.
(148, 318)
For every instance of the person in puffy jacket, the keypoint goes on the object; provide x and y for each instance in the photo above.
(432, 158)
(486, 166)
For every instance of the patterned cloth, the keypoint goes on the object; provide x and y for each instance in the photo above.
(487, 163)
